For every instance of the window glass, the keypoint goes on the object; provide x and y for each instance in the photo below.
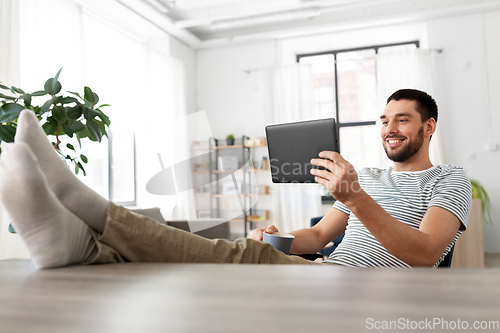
(357, 85)
(323, 69)
(118, 79)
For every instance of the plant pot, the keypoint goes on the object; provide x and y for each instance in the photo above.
(230, 142)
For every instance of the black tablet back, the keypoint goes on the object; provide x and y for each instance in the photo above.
(292, 146)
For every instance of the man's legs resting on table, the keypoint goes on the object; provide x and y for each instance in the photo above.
(132, 237)
(50, 205)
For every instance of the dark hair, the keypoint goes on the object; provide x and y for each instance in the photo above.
(426, 105)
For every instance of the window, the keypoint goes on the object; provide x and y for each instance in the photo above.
(345, 88)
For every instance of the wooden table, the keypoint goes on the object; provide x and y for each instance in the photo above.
(147, 298)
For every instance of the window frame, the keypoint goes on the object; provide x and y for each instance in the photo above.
(335, 53)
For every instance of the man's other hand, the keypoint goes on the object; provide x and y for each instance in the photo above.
(257, 233)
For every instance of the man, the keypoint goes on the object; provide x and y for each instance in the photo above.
(408, 215)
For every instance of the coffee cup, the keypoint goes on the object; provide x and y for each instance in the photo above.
(280, 241)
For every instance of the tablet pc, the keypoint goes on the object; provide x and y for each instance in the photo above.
(291, 147)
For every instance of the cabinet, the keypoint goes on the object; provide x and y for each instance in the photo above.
(236, 177)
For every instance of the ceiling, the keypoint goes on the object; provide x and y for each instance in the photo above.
(204, 23)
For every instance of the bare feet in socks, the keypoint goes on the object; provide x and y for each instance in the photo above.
(71, 192)
(53, 235)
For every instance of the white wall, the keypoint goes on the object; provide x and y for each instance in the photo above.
(468, 81)
(183, 52)
(466, 70)
(231, 97)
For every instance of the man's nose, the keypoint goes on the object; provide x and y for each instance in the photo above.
(392, 127)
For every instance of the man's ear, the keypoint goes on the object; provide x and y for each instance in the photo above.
(430, 127)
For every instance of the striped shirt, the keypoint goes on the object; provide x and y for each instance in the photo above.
(406, 196)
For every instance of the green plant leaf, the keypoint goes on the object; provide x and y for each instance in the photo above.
(66, 100)
(7, 97)
(76, 94)
(4, 87)
(103, 105)
(46, 106)
(68, 130)
(59, 113)
(96, 99)
(17, 90)
(57, 75)
(101, 126)
(76, 126)
(104, 118)
(10, 112)
(75, 112)
(52, 87)
(81, 167)
(89, 95)
(77, 168)
(27, 99)
(89, 113)
(39, 93)
(80, 135)
(50, 127)
(7, 133)
(11, 229)
(93, 131)
(84, 158)
(70, 146)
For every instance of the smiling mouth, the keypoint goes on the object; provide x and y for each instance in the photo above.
(394, 142)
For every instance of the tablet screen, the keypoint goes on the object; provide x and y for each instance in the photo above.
(291, 147)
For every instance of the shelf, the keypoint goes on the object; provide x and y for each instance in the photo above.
(255, 218)
(245, 146)
(256, 170)
(230, 171)
(236, 195)
(226, 147)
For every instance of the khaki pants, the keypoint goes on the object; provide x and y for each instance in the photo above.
(129, 237)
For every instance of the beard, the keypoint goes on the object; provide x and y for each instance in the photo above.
(407, 150)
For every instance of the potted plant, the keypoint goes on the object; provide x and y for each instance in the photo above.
(478, 192)
(71, 116)
(230, 140)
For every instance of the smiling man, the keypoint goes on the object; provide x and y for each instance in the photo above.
(408, 215)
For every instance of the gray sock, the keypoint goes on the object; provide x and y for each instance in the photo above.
(54, 236)
(71, 192)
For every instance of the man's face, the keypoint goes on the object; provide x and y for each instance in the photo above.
(402, 130)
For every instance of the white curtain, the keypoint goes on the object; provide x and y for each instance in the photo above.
(164, 134)
(11, 245)
(289, 97)
(401, 69)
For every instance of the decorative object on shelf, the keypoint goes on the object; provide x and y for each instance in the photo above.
(265, 163)
(230, 140)
(60, 115)
(478, 192)
(231, 188)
